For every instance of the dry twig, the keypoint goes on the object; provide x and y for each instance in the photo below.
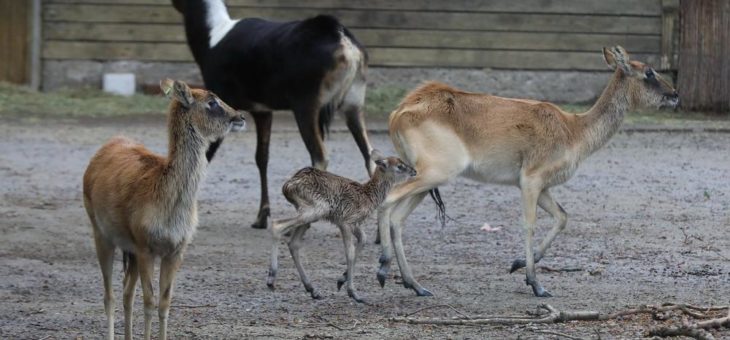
(567, 336)
(438, 306)
(332, 324)
(553, 315)
(558, 270)
(194, 306)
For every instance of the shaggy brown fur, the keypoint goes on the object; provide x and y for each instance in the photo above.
(145, 204)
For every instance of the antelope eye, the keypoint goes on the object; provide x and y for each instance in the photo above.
(213, 104)
(401, 167)
(649, 74)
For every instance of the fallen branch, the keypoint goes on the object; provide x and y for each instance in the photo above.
(438, 306)
(690, 331)
(194, 306)
(332, 324)
(555, 316)
(567, 336)
(559, 270)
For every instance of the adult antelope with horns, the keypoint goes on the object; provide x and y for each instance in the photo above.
(444, 133)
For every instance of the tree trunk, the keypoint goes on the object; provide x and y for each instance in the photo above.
(704, 55)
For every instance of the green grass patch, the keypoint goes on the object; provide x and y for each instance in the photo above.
(667, 117)
(21, 101)
(381, 101)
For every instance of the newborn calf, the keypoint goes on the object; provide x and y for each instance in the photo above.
(319, 195)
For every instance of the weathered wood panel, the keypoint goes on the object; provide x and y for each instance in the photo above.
(526, 22)
(614, 7)
(379, 37)
(379, 55)
(529, 34)
(116, 51)
(14, 41)
(704, 74)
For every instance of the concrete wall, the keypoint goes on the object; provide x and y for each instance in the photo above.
(556, 86)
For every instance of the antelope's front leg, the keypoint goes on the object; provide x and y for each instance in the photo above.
(350, 256)
(169, 266)
(146, 267)
(547, 203)
(386, 256)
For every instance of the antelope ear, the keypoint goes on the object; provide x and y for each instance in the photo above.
(178, 90)
(376, 155)
(166, 87)
(616, 57)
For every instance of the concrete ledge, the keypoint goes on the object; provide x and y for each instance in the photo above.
(555, 86)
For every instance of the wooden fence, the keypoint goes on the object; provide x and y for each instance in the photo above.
(15, 52)
(505, 34)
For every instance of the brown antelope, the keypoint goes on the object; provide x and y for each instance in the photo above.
(145, 204)
(444, 133)
(318, 195)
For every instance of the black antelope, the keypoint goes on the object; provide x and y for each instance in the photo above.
(314, 67)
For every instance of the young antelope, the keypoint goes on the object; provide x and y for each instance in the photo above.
(145, 204)
(318, 195)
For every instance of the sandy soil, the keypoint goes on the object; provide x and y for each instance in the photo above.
(648, 224)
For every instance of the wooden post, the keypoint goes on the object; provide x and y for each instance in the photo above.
(34, 42)
(703, 79)
(14, 47)
(670, 25)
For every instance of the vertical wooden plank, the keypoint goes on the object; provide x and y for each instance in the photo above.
(670, 18)
(14, 40)
(703, 80)
(34, 43)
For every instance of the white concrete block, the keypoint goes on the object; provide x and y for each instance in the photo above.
(119, 83)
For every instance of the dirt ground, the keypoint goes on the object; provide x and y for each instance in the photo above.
(648, 223)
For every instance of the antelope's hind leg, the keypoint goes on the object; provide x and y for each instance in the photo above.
(105, 255)
(263, 136)
(278, 229)
(295, 243)
(351, 252)
(398, 217)
(352, 109)
(131, 276)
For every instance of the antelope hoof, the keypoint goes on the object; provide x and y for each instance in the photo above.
(517, 264)
(422, 292)
(315, 294)
(541, 292)
(354, 296)
(270, 279)
(262, 219)
(383, 271)
(537, 289)
(382, 275)
(341, 281)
